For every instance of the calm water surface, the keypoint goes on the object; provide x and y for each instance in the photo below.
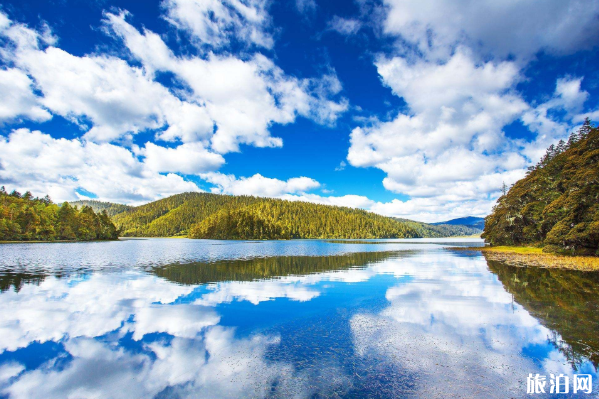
(176, 318)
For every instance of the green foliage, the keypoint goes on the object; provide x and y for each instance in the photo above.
(216, 216)
(111, 208)
(25, 218)
(286, 219)
(174, 216)
(238, 224)
(556, 206)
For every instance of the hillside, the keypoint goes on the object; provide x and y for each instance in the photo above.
(471, 221)
(242, 217)
(26, 218)
(111, 208)
(556, 206)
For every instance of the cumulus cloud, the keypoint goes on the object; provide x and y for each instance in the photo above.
(107, 97)
(258, 185)
(451, 145)
(225, 101)
(18, 99)
(449, 149)
(191, 158)
(242, 97)
(229, 101)
(215, 23)
(32, 160)
(521, 28)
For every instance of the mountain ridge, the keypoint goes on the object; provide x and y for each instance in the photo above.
(178, 214)
(473, 221)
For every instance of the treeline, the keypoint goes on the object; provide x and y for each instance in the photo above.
(111, 208)
(556, 206)
(25, 217)
(279, 219)
(204, 215)
(174, 216)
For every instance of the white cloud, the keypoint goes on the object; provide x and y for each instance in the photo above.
(243, 97)
(191, 158)
(227, 101)
(451, 145)
(37, 162)
(216, 23)
(344, 26)
(449, 152)
(117, 99)
(230, 101)
(18, 99)
(258, 185)
(519, 27)
(351, 201)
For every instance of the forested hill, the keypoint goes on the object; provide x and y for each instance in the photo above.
(111, 208)
(203, 215)
(556, 205)
(24, 217)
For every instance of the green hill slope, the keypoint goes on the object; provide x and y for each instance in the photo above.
(245, 217)
(556, 205)
(111, 208)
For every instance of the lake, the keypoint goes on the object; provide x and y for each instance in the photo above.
(178, 318)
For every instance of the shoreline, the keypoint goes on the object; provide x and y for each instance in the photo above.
(535, 257)
(54, 241)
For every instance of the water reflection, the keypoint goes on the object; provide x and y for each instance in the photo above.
(563, 301)
(265, 268)
(423, 323)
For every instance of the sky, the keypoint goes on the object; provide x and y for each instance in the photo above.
(419, 109)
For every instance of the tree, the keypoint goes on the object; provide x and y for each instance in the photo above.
(25, 217)
(556, 205)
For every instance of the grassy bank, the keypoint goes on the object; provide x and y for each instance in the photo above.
(535, 257)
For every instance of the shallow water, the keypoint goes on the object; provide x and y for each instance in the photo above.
(176, 318)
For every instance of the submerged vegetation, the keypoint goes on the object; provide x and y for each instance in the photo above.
(203, 215)
(556, 206)
(27, 218)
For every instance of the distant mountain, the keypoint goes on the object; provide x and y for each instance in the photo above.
(471, 221)
(98, 206)
(204, 215)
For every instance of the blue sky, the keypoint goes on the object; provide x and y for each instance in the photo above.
(417, 109)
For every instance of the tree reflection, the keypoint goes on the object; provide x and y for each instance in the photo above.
(264, 268)
(564, 301)
(17, 280)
